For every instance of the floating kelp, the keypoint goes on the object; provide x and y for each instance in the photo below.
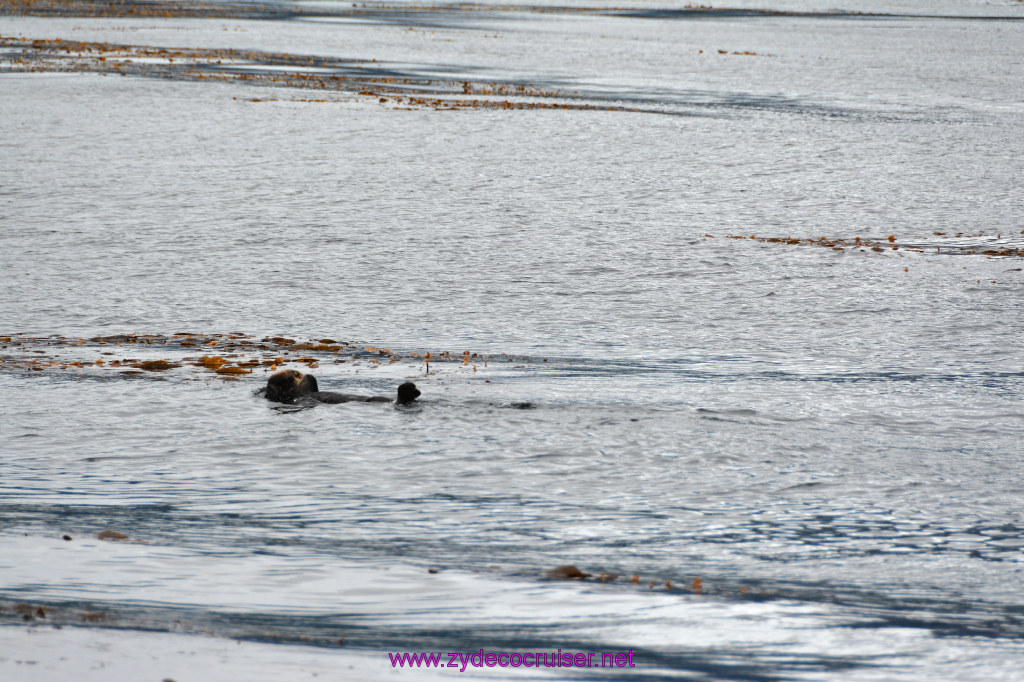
(136, 8)
(233, 370)
(343, 79)
(238, 355)
(369, 11)
(111, 535)
(570, 572)
(567, 573)
(155, 365)
(959, 244)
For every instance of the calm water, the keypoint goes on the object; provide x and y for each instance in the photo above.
(829, 439)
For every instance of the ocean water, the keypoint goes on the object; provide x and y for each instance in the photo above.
(827, 433)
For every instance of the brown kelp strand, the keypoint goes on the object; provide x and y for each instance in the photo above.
(958, 244)
(226, 356)
(339, 80)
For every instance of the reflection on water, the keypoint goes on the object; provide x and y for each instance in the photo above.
(279, 526)
(824, 432)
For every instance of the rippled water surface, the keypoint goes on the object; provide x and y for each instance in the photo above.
(826, 432)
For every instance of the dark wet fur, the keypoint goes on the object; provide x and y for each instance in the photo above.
(283, 386)
(286, 387)
(407, 393)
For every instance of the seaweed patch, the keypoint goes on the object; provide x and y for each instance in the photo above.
(958, 244)
(339, 80)
(237, 355)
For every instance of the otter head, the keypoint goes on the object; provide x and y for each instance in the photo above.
(308, 385)
(288, 384)
(407, 393)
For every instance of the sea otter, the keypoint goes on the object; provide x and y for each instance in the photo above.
(288, 384)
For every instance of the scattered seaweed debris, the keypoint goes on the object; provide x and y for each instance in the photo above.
(570, 572)
(567, 572)
(163, 619)
(96, 616)
(142, 8)
(159, 356)
(111, 535)
(342, 79)
(879, 244)
(383, 11)
(157, 365)
(745, 53)
(29, 612)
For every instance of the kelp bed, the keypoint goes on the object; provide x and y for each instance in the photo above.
(958, 244)
(335, 80)
(225, 356)
(359, 10)
(392, 85)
